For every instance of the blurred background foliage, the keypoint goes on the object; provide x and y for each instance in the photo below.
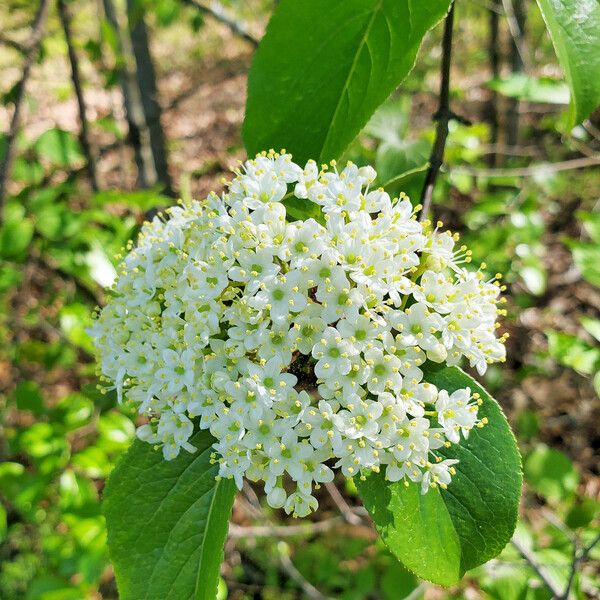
(129, 105)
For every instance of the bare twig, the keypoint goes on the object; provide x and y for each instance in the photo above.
(288, 566)
(591, 129)
(270, 530)
(30, 56)
(443, 116)
(349, 515)
(515, 26)
(417, 592)
(6, 41)
(505, 150)
(65, 19)
(531, 170)
(217, 12)
(533, 563)
(578, 558)
(307, 529)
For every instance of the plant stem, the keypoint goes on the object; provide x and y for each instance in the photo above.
(443, 117)
(216, 10)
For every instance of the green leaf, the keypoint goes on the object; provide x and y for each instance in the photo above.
(444, 533)
(16, 233)
(300, 209)
(572, 352)
(60, 147)
(116, 430)
(323, 68)
(533, 89)
(167, 522)
(75, 319)
(586, 258)
(416, 527)
(574, 27)
(28, 396)
(141, 199)
(551, 473)
(591, 224)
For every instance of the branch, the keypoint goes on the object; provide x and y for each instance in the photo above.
(565, 165)
(282, 531)
(516, 29)
(30, 55)
(437, 152)
(288, 566)
(578, 558)
(346, 510)
(6, 41)
(533, 563)
(216, 10)
(65, 18)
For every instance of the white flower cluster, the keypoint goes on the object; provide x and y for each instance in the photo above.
(299, 345)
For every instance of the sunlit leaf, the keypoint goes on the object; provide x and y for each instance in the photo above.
(167, 522)
(323, 68)
(444, 533)
(574, 27)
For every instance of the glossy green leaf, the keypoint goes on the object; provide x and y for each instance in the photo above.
(324, 67)
(300, 209)
(444, 533)
(167, 522)
(574, 27)
(416, 527)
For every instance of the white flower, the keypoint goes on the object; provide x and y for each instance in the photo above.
(296, 344)
(455, 413)
(333, 354)
(417, 326)
(282, 296)
(306, 241)
(438, 474)
(359, 419)
(253, 268)
(320, 424)
(309, 328)
(385, 371)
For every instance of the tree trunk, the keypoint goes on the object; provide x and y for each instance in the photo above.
(517, 29)
(138, 133)
(494, 57)
(31, 51)
(65, 18)
(146, 80)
